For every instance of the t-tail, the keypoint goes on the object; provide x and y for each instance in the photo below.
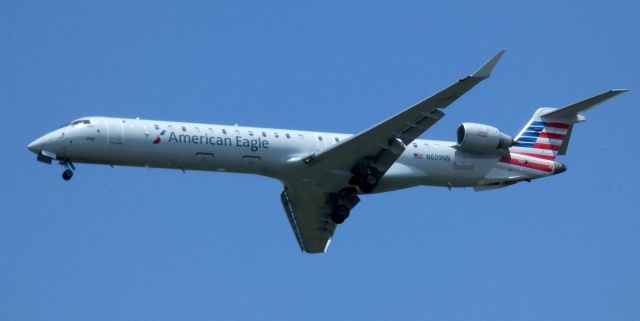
(547, 133)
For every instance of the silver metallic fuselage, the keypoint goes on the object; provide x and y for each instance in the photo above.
(275, 153)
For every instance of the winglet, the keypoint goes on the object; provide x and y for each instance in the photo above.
(485, 71)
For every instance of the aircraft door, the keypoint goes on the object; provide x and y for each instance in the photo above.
(115, 131)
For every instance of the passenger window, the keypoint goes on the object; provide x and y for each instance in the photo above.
(224, 131)
(415, 145)
(336, 139)
(184, 129)
(300, 136)
(264, 134)
(156, 126)
(276, 135)
(320, 138)
(251, 133)
(287, 135)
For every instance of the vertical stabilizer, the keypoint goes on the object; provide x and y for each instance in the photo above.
(547, 133)
(540, 138)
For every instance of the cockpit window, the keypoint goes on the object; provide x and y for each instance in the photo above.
(80, 122)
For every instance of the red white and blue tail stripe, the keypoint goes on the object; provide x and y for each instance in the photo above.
(541, 139)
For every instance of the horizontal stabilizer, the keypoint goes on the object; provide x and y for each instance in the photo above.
(571, 111)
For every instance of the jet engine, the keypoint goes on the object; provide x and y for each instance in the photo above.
(482, 138)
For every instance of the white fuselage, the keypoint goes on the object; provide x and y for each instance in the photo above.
(269, 152)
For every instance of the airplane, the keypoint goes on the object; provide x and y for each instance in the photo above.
(324, 174)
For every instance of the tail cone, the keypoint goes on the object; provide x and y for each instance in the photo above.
(559, 168)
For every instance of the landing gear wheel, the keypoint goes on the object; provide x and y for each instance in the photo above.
(339, 214)
(366, 188)
(67, 174)
(369, 181)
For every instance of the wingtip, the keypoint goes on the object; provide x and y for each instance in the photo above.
(485, 70)
(619, 90)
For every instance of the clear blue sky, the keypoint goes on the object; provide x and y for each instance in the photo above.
(135, 244)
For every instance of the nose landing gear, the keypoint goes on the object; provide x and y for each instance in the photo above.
(67, 174)
(69, 168)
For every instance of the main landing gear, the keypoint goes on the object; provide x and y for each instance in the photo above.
(342, 203)
(365, 177)
(69, 168)
(339, 214)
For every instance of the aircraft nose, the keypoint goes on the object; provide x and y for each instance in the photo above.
(36, 145)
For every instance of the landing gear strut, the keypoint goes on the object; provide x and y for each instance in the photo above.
(68, 172)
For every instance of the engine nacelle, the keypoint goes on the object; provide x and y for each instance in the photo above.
(482, 138)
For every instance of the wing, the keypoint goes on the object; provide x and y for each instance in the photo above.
(308, 213)
(309, 200)
(384, 142)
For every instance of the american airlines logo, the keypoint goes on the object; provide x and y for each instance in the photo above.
(252, 144)
(158, 138)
